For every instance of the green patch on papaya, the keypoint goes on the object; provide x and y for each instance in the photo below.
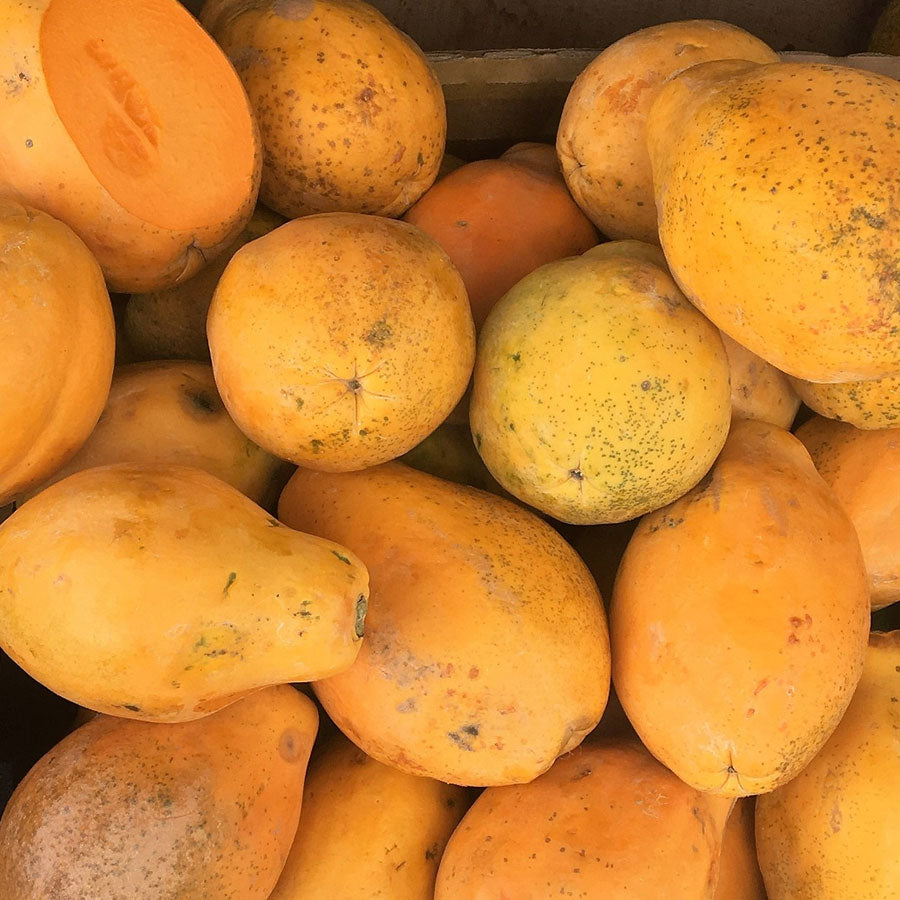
(341, 557)
(232, 577)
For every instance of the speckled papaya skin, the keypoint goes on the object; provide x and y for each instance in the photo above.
(340, 341)
(486, 648)
(868, 405)
(351, 114)
(599, 392)
(831, 833)
(602, 140)
(159, 592)
(606, 821)
(139, 811)
(778, 198)
(739, 618)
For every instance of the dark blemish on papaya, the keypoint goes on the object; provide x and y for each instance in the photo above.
(362, 604)
(320, 57)
(824, 276)
(470, 729)
(232, 577)
(299, 403)
(203, 402)
(273, 523)
(760, 685)
(420, 160)
(577, 474)
(474, 672)
(363, 432)
(400, 865)
(131, 706)
(29, 143)
(407, 706)
(478, 439)
(341, 557)
(587, 770)
(793, 639)
(462, 742)
(290, 745)
(515, 357)
(316, 445)
(432, 852)
(645, 385)
(379, 333)
(512, 426)
(750, 713)
(462, 223)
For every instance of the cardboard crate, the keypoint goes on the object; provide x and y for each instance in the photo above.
(498, 97)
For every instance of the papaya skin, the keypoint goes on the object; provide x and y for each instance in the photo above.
(863, 470)
(470, 594)
(155, 180)
(499, 219)
(169, 412)
(602, 139)
(830, 834)
(739, 875)
(159, 592)
(58, 338)
(607, 820)
(739, 618)
(758, 389)
(779, 161)
(397, 825)
(366, 132)
(867, 405)
(122, 809)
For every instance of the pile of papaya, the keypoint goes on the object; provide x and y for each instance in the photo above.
(383, 524)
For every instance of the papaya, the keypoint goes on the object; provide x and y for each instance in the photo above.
(862, 468)
(158, 592)
(776, 190)
(739, 618)
(144, 810)
(599, 392)
(170, 412)
(100, 127)
(499, 219)
(340, 341)
(394, 825)
(351, 113)
(602, 134)
(832, 832)
(471, 597)
(58, 338)
(607, 820)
